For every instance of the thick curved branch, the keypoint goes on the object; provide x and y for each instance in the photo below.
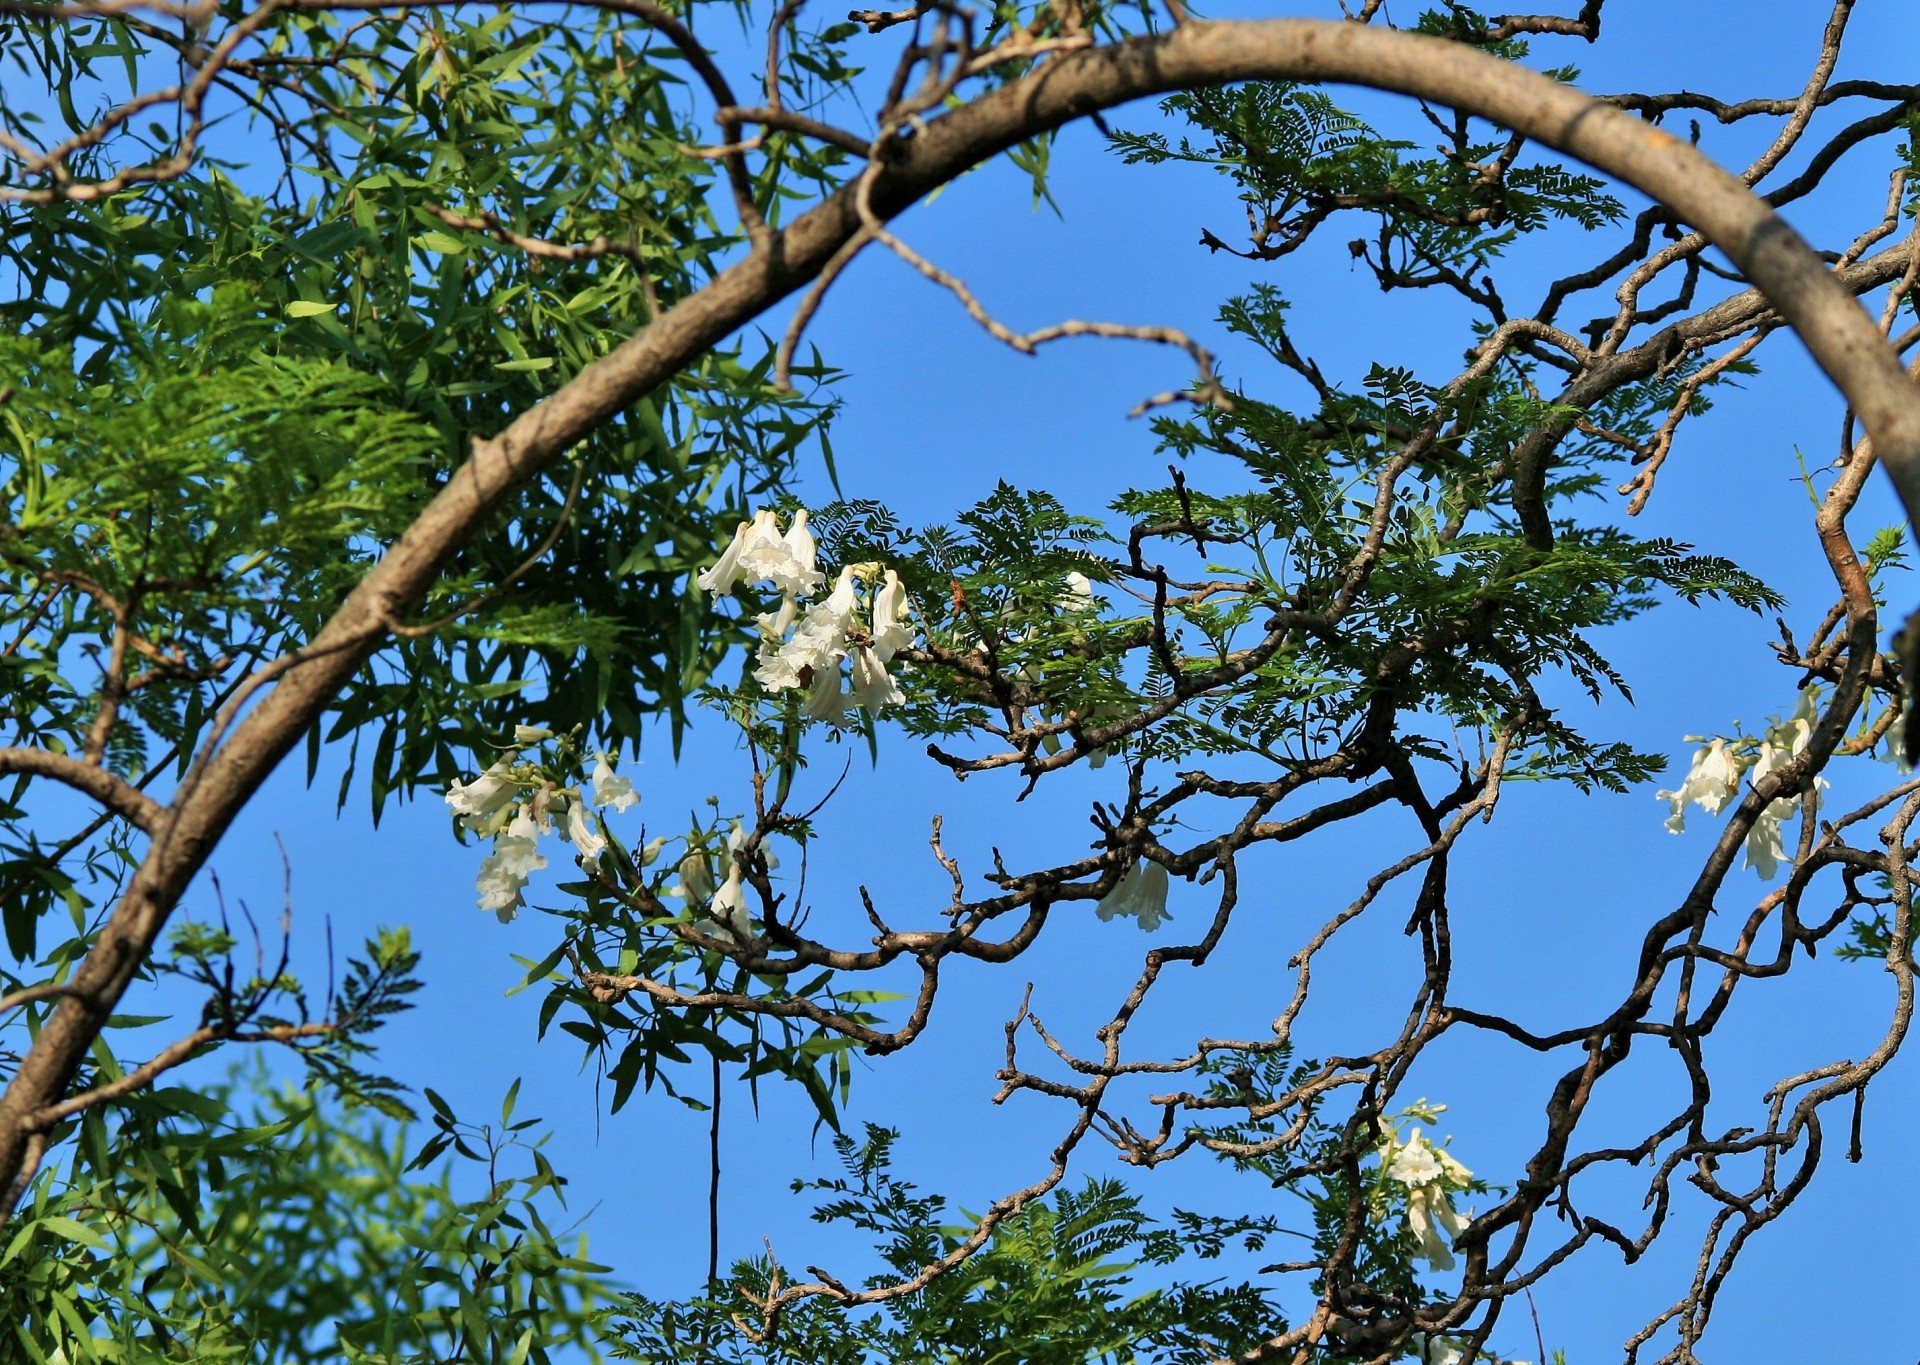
(115, 793)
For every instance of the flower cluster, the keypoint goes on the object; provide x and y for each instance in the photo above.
(1141, 895)
(1718, 766)
(804, 648)
(1431, 1177)
(515, 802)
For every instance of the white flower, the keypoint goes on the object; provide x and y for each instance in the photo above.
(1710, 784)
(1079, 594)
(651, 853)
(488, 793)
(1419, 1162)
(891, 633)
(872, 688)
(696, 878)
(719, 580)
(773, 628)
(785, 561)
(1766, 846)
(1427, 1172)
(801, 572)
(826, 701)
(737, 840)
(1141, 894)
(844, 597)
(729, 908)
(1432, 1350)
(530, 734)
(1433, 1221)
(503, 875)
(609, 789)
(587, 841)
(1786, 741)
(819, 644)
(1415, 1163)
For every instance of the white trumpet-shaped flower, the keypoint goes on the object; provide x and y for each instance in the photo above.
(845, 596)
(737, 840)
(1434, 1222)
(1140, 895)
(773, 626)
(891, 632)
(1893, 744)
(1079, 594)
(588, 842)
(818, 645)
(825, 701)
(515, 857)
(696, 878)
(1710, 783)
(719, 579)
(728, 911)
(610, 789)
(531, 734)
(872, 688)
(487, 793)
(1430, 1175)
(759, 553)
(1786, 740)
(797, 572)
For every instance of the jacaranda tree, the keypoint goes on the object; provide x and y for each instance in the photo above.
(426, 380)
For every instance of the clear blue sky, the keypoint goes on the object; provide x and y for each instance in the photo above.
(936, 412)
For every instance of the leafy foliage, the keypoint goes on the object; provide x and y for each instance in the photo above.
(247, 1221)
(1055, 1285)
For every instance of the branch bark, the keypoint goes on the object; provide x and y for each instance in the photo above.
(115, 793)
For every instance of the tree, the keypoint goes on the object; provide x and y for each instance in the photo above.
(424, 427)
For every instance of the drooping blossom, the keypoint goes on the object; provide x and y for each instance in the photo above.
(696, 878)
(515, 857)
(1785, 741)
(719, 579)
(728, 909)
(773, 626)
(797, 573)
(1141, 895)
(485, 805)
(872, 688)
(1428, 1172)
(610, 789)
(1710, 783)
(588, 842)
(759, 553)
(1718, 767)
(737, 840)
(818, 645)
(825, 701)
(1894, 741)
(891, 632)
(1079, 594)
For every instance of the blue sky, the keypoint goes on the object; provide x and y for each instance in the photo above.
(1546, 900)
